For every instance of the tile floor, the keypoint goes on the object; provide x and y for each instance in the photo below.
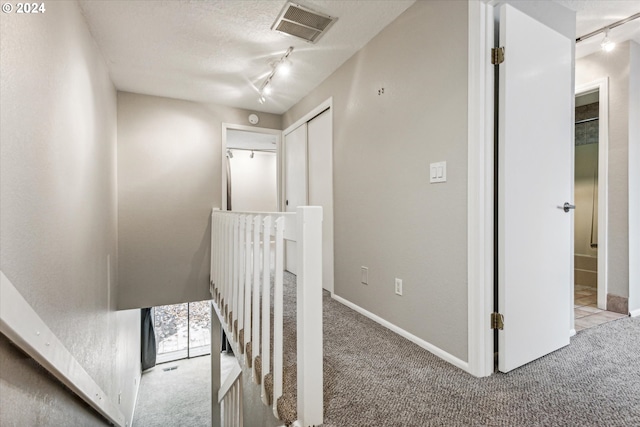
(586, 309)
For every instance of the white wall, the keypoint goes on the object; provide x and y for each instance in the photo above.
(386, 214)
(634, 179)
(169, 178)
(254, 181)
(615, 66)
(58, 214)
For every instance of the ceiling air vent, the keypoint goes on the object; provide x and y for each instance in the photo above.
(302, 22)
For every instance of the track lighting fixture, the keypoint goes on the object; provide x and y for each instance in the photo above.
(607, 44)
(282, 66)
(229, 154)
(252, 154)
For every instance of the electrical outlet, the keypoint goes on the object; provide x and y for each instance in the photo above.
(364, 277)
(398, 286)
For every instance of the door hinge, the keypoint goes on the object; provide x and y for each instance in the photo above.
(497, 55)
(497, 321)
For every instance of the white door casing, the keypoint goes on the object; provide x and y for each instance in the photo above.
(602, 86)
(535, 152)
(320, 152)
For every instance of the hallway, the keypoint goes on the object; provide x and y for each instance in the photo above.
(175, 397)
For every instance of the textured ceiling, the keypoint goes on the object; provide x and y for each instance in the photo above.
(592, 15)
(220, 51)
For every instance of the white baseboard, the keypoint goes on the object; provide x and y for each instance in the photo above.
(634, 313)
(414, 339)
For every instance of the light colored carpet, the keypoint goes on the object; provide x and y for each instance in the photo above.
(374, 377)
(176, 398)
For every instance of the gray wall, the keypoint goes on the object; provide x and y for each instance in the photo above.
(387, 215)
(615, 66)
(58, 214)
(169, 178)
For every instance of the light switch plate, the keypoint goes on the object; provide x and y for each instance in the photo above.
(438, 172)
(364, 276)
(398, 286)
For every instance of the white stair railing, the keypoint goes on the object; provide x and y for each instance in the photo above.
(230, 399)
(241, 260)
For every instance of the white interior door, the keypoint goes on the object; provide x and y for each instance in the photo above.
(534, 181)
(320, 151)
(295, 181)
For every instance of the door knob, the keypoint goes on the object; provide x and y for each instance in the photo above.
(568, 206)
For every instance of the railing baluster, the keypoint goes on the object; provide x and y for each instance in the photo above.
(278, 315)
(255, 341)
(234, 282)
(212, 254)
(225, 267)
(241, 307)
(266, 302)
(217, 261)
(247, 284)
(240, 404)
(227, 303)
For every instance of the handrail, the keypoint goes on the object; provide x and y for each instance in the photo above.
(236, 371)
(24, 327)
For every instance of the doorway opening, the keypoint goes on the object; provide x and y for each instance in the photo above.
(590, 197)
(586, 202)
(182, 330)
(250, 172)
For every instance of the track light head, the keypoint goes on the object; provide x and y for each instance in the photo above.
(284, 68)
(607, 45)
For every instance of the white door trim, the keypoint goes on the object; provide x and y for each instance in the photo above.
(480, 189)
(602, 86)
(223, 154)
(328, 103)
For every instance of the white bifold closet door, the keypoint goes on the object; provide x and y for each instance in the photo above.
(308, 180)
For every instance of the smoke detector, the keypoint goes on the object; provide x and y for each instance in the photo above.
(302, 22)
